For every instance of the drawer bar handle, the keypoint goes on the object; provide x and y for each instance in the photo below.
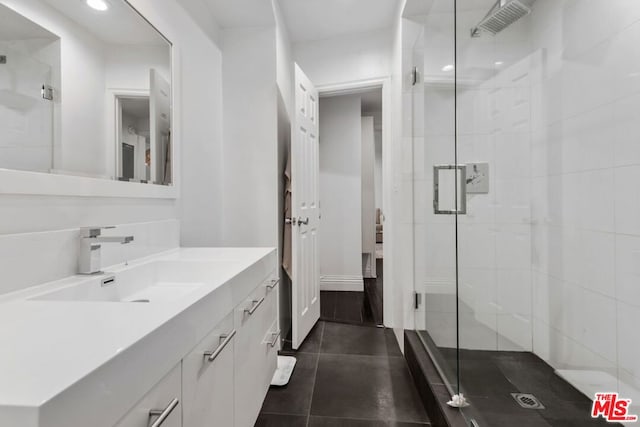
(226, 338)
(273, 283)
(162, 415)
(256, 304)
(274, 340)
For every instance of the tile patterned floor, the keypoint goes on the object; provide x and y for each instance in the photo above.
(359, 308)
(346, 307)
(346, 376)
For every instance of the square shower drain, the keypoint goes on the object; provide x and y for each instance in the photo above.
(527, 401)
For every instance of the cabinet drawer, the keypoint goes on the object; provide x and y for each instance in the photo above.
(207, 379)
(162, 404)
(257, 344)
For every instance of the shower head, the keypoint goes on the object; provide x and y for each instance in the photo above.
(501, 15)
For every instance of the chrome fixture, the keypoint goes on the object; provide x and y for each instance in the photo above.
(47, 92)
(162, 415)
(224, 340)
(254, 306)
(502, 14)
(274, 339)
(90, 246)
(273, 283)
(462, 182)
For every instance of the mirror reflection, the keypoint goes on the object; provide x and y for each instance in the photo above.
(85, 89)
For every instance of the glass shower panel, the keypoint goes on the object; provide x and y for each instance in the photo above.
(548, 126)
(433, 130)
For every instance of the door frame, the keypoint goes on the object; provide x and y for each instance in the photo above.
(114, 130)
(355, 87)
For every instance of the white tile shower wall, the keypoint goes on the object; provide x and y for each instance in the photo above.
(29, 259)
(585, 162)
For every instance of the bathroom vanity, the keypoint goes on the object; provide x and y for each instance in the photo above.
(188, 337)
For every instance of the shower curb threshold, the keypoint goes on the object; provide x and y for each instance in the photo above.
(431, 388)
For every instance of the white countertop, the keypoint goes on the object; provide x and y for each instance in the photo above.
(54, 354)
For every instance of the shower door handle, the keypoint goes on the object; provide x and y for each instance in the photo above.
(463, 190)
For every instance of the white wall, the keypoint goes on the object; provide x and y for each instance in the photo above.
(197, 134)
(285, 83)
(585, 165)
(284, 59)
(378, 168)
(250, 134)
(340, 193)
(346, 58)
(368, 209)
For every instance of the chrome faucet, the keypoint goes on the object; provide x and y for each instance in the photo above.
(90, 248)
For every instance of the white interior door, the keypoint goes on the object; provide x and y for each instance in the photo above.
(305, 203)
(159, 126)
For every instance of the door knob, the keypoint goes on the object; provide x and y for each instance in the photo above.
(305, 221)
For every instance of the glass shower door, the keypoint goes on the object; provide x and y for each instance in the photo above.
(436, 179)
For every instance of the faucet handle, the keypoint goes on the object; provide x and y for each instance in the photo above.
(93, 231)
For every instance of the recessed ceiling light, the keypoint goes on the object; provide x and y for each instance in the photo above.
(448, 67)
(100, 5)
(498, 63)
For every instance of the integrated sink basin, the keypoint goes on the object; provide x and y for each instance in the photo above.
(150, 282)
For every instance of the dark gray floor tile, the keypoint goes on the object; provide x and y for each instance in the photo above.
(540, 380)
(349, 307)
(277, 420)
(346, 422)
(341, 338)
(311, 343)
(365, 387)
(393, 349)
(482, 378)
(328, 305)
(295, 397)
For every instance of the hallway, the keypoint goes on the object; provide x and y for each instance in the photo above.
(346, 375)
(358, 308)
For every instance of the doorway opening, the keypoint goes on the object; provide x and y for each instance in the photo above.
(351, 248)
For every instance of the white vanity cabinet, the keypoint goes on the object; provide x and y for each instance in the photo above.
(226, 376)
(256, 347)
(207, 375)
(160, 407)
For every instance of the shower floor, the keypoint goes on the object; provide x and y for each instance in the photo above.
(489, 377)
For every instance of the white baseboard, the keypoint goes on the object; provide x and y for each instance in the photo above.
(342, 283)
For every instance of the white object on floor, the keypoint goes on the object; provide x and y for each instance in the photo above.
(283, 372)
(458, 401)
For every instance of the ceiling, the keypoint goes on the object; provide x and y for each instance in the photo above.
(309, 20)
(120, 24)
(241, 13)
(14, 26)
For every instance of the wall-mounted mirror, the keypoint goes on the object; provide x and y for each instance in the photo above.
(85, 89)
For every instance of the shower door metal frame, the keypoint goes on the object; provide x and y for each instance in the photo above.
(463, 190)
